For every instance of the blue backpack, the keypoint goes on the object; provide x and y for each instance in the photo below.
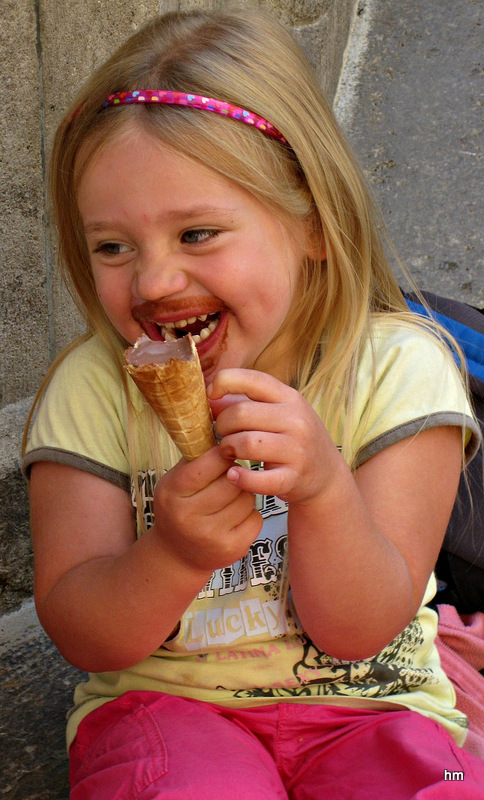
(460, 566)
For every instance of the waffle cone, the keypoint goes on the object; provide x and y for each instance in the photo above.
(175, 389)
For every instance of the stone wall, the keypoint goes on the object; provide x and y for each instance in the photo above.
(48, 48)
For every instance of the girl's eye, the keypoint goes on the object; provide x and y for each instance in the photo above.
(112, 249)
(198, 236)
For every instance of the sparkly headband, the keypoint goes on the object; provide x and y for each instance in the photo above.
(195, 101)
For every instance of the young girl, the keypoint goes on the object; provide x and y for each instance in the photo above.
(254, 622)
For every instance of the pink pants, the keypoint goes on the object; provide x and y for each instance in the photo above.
(147, 745)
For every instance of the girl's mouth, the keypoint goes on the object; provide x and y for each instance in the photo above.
(201, 328)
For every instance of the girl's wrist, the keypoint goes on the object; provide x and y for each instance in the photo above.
(182, 570)
(325, 483)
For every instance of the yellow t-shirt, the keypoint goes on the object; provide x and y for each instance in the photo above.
(235, 644)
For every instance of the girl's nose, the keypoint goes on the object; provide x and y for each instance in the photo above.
(158, 276)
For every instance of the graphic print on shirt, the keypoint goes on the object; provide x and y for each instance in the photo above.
(243, 599)
(238, 616)
(392, 671)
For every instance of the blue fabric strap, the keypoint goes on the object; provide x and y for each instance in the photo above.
(470, 340)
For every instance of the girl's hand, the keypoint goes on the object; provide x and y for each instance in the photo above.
(204, 520)
(261, 419)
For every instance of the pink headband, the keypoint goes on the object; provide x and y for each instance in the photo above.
(195, 101)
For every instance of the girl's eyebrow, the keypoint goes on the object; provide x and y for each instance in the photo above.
(173, 215)
(197, 211)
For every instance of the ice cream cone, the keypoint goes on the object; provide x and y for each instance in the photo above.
(170, 377)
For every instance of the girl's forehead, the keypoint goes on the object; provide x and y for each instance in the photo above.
(142, 156)
(131, 139)
(109, 138)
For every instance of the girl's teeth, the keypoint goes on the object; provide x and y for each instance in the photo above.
(168, 327)
(205, 332)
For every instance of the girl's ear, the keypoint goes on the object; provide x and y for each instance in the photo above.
(322, 248)
(315, 244)
(314, 239)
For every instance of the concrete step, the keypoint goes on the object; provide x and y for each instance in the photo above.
(15, 550)
(35, 694)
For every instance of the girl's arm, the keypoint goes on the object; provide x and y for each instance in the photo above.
(383, 530)
(361, 547)
(108, 600)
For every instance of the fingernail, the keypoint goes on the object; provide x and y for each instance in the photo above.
(233, 475)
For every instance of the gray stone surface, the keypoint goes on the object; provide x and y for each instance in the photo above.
(15, 549)
(416, 120)
(16, 560)
(321, 28)
(25, 353)
(35, 694)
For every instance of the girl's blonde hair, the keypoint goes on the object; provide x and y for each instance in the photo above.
(246, 58)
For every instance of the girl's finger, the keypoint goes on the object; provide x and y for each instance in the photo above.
(232, 517)
(250, 415)
(277, 481)
(256, 385)
(224, 402)
(258, 445)
(189, 478)
(220, 494)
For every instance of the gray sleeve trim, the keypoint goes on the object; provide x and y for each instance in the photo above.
(69, 459)
(414, 426)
